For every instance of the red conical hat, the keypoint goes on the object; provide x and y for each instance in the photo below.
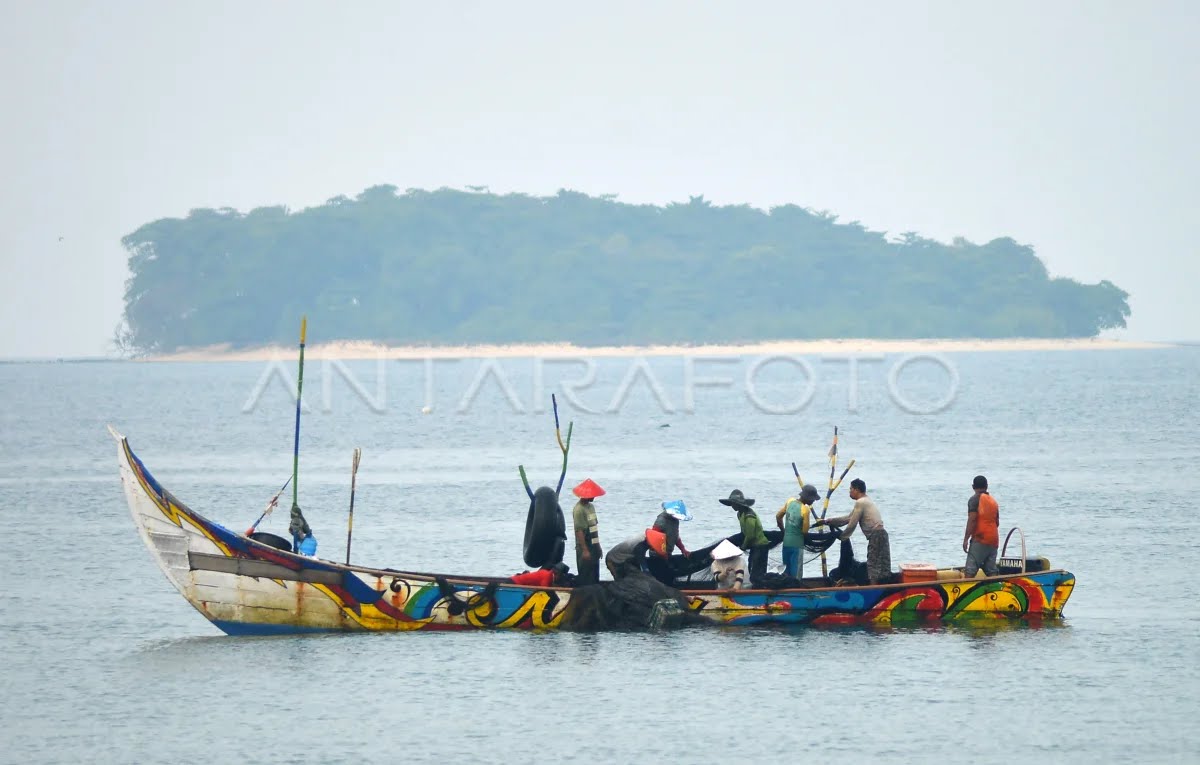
(589, 489)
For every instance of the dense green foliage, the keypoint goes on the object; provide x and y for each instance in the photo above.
(463, 267)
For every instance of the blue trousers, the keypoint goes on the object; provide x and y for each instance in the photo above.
(793, 561)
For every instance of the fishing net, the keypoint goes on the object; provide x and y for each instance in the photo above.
(631, 603)
(694, 571)
(678, 567)
(820, 541)
(849, 569)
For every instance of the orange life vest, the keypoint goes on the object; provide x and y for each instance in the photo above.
(657, 541)
(987, 521)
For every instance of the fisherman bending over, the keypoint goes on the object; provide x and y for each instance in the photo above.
(626, 558)
(667, 524)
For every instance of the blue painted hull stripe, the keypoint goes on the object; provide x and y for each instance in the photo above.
(240, 628)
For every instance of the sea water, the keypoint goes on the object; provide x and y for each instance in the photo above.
(1092, 453)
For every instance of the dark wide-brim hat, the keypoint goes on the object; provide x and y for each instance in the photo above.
(809, 494)
(737, 499)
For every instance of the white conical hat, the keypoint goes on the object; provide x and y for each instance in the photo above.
(725, 550)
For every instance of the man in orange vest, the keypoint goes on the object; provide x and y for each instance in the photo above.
(982, 535)
(667, 524)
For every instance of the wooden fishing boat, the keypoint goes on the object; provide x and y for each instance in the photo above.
(245, 587)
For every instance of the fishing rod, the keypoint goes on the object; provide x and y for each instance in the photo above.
(271, 505)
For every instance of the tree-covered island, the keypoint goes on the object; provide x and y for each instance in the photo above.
(468, 267)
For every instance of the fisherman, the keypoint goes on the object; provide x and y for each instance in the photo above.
(793, 520)
(866, 515)
(546, 576)
(587, 533)
(754, 540)
(728, 566)
(626, 558)
(983, 530)
(667, 525)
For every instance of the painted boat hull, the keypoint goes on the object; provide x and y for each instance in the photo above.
(247, 588)
(1030, 597)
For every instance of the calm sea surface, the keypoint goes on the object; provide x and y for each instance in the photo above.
(1093, 453)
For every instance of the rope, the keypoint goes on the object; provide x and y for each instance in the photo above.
(456, 605)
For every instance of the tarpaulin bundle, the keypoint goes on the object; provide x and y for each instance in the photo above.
(626, 604)
(298, 526)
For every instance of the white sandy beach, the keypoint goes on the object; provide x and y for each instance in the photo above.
(357, 349)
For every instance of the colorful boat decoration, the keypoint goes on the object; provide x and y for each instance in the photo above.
(245, 587)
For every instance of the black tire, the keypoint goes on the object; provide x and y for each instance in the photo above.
(557, 551)
(272, 540)
(545, 529)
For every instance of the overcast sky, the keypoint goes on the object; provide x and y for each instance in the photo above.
(1069, 126)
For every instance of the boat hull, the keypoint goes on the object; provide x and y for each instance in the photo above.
(1031, 597)
(245, 587)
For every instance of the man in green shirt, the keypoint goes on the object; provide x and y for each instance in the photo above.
(793, 520)
(587, 533)
(754, 540)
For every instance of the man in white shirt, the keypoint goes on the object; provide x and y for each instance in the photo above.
(865, 515)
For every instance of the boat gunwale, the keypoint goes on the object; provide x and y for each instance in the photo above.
(485, 580)
(305, 561)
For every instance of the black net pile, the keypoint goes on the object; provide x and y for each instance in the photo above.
(627, 604)
(678, 568)
(693, 571)
(849, 569)
(820, 541)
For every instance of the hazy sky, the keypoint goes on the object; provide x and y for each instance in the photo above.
(1072, 127)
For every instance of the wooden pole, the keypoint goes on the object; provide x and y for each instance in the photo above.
(350, 520)
(299, 392)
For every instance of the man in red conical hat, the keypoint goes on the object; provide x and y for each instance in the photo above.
(587, 533)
